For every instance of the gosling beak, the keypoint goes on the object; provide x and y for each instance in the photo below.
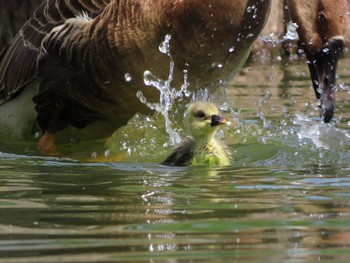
(217, 120)
(323, 73)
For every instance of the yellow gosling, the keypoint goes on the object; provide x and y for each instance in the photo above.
(200, 147)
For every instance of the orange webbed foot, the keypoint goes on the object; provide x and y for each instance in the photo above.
(47, 145)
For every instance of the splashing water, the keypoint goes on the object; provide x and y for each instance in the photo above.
(168, 95)
(262, 102)
(291, 34)
(322, 135)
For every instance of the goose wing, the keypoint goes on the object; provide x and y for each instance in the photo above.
(66, 86)
(18, 61)
(182, 155)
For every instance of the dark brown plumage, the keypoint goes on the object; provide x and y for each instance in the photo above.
(13, 14)
(78, 51)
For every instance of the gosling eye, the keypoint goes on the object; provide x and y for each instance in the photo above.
(200, 114)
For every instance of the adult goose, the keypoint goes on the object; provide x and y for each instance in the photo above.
(83, 60)
(321, 28)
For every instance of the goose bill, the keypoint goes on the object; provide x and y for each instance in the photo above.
(217, 120)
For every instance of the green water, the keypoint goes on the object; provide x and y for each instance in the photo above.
(286, 198)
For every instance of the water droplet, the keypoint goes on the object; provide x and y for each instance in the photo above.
(129, 151)
(342, 86)
(291, 34)
(164, 47)
(141, 97)
(127, 77)
(107, 153)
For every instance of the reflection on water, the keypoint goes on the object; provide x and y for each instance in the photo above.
(57, 210)
(286, 199)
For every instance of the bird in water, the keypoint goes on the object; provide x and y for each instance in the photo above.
(80, 63)
(321, 28)
(200, 147)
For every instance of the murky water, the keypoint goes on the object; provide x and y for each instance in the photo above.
(286, 199)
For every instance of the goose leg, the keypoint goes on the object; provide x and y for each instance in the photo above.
(47, 145)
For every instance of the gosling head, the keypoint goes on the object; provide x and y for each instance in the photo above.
(202, 120)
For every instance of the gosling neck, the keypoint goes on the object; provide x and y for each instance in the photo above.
(206, 139)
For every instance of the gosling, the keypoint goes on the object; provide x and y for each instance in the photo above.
(200, 147)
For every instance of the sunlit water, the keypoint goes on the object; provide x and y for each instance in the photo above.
(286, 198)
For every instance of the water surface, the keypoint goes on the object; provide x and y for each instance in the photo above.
(285, 199)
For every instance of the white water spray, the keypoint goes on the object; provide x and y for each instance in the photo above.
(291, 34)
(323, 135)
(262, 102)
(168, 95)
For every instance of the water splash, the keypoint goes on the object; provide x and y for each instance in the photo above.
(321, 134)
(291, 34)
(143, 137)
(168, 95)
(262, 102)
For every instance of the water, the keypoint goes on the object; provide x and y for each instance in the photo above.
(168, 95)
(286, 198)
(291, 34)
